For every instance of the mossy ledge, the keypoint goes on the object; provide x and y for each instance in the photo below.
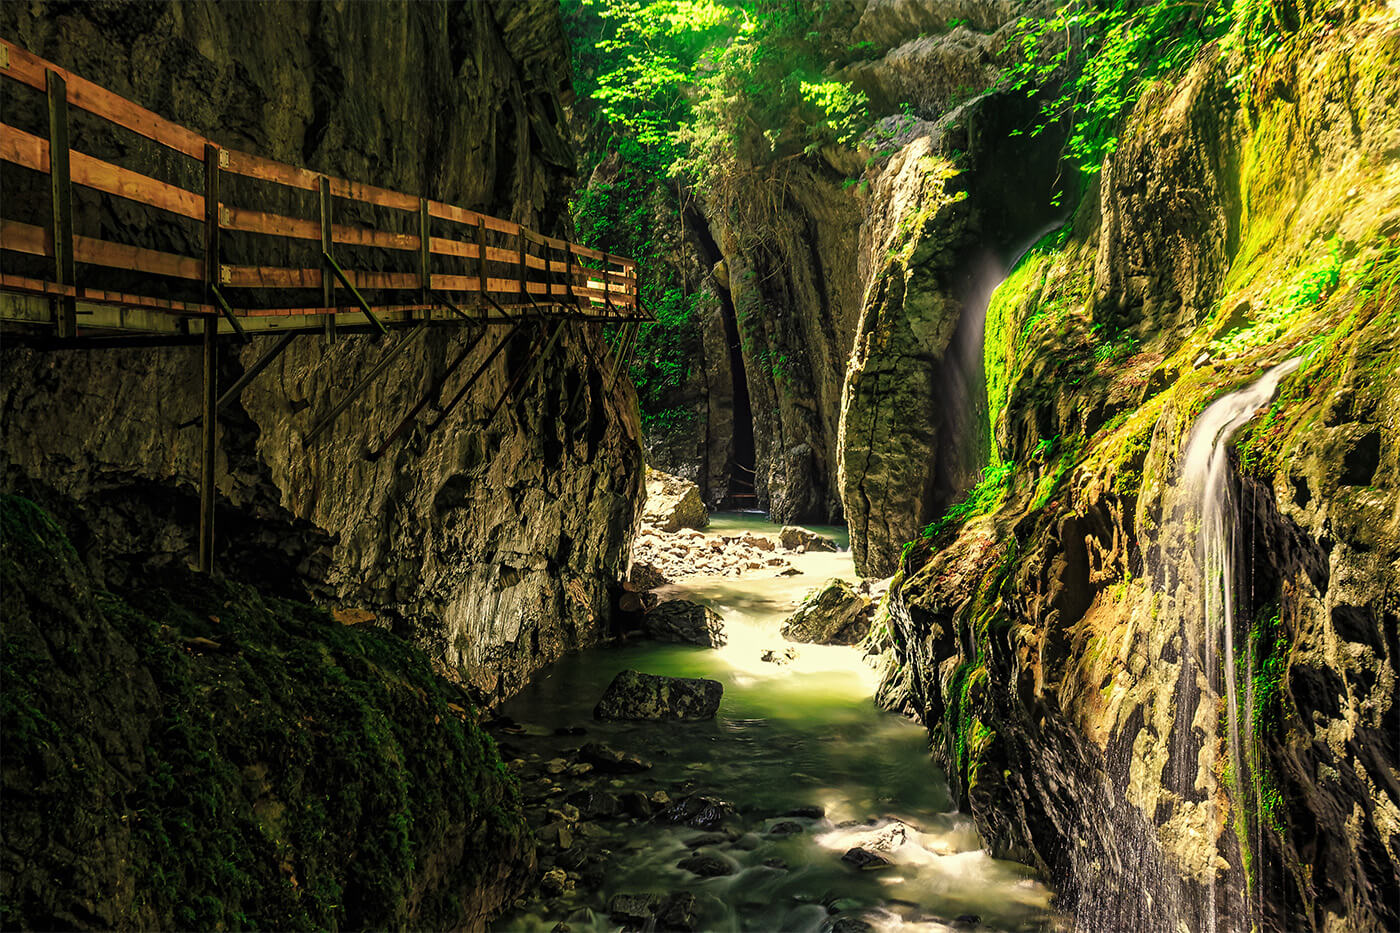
(196, 755)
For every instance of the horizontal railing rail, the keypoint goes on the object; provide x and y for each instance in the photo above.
(453, 254)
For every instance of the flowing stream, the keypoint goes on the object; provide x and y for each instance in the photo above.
(803, 734)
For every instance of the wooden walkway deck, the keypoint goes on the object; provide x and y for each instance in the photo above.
(357, 258)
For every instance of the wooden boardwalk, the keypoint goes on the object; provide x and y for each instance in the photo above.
(355, 257)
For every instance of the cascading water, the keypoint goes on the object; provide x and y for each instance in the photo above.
(1195, 576)
(1205, 477)
(964, 388)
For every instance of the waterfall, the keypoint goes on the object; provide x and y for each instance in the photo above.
(1203, 505)
(964, 386)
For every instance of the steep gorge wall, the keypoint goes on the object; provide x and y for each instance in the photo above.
(807, 251)
(1238, 225)
(493, 544)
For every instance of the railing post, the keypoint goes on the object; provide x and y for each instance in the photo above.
(481, 254)
(61, 192)
(524, 296)
(211, 361)
(425, 272)
(607, 299)
(327, 276)
(569, 271)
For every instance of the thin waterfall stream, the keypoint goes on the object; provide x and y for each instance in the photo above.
(1195, 574)
(809, 764)
(1205, 476)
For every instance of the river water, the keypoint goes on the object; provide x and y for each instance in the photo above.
(801, 734)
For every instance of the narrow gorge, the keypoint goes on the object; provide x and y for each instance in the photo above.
(823, 465)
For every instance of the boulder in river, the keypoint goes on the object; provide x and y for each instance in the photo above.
(631, 909)
(681, 620)
(673, 503)
(636, 696)
(793, 537)
(609, 760)
(833, 614)
(698, 810)
(865, 860)
(778, 655)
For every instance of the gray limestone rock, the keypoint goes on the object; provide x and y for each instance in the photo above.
(833, 614)
(673, 503)
(681, 620)
(793, 537)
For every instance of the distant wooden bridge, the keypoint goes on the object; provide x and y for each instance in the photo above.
(411, 262)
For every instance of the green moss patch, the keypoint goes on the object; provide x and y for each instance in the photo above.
(199, 756)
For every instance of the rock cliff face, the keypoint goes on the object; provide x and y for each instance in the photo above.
(1057, 645)
(493, 543)
(802, 258)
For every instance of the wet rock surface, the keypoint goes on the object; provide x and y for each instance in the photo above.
(638, 696)
(681, 620)
(688, 553)
(793, 537)
(834, 614)
(673, 503)
(584, 832)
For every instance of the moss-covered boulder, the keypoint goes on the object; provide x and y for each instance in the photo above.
(638, 696)
(832, 614)
(198, 756)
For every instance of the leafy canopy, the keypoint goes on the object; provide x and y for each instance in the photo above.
(1102, 54)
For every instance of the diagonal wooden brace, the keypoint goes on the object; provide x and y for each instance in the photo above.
(359, 299)
(389, 356)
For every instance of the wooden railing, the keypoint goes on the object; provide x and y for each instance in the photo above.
(455, 256)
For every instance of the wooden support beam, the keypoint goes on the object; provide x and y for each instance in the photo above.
(61, 201)
(355, 292)
(249, 374)
(327, 284)
(434, 391)
(389, 356)
(209, 428)
(228, 314)
(206, 447)
(622, 351)
(526, 373)
(462, 392)
(481, 255)
(524, 271)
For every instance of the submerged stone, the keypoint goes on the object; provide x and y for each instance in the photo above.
(698, 810)
(633, 695)
(631, 909)
(609, 760)
(706, 865)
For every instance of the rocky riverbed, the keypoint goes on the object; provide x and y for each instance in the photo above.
(799, 805)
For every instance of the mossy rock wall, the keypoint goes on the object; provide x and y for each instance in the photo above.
(194, 755)
(1251, 215)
